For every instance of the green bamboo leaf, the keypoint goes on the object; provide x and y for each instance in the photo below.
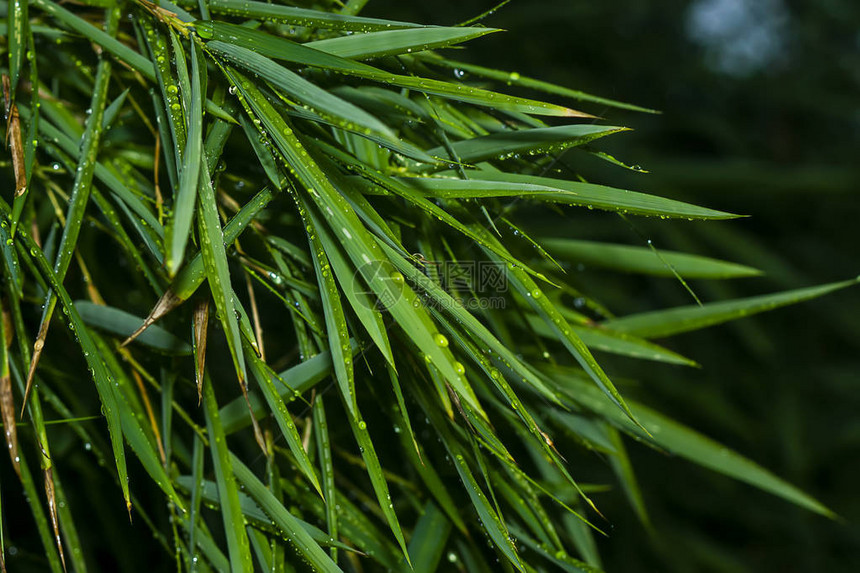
(262, 549)
(531, 504)
(644, 260)
(113, 46)
(67, 141)
(179, 226)
(329, 54)
(297, 88)
(292, 382)
(196, 488)
(495, 527)
(182, 76)
(303, 542)
(323, 441)
(686, 442)
(280, 48)
(377, 479)
(171, 102)
(662, 323)
(558, 558)
(429, 539)
(112, 111)
(419, 460)
(121, 323)
(36, 510)
(514, 78)
(623, 469)
(217, 272)
(369, 140)
(498, 184)
(360, 300)
(34, 408)
(355, 524)
(10, 260)
(516, 500)
(106, 41)
(384, 103)
(403, 189)
(276, 401)
(234, 526)
(535, 141)
(263, 153)
(255, 514)
(68, 527)
(207, 545)
(335, 319)
(303, 16)
(18, 20)
(395, 42)
(607, 340)
(493, 524)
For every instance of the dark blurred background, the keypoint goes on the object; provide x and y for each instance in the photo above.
(761, 116)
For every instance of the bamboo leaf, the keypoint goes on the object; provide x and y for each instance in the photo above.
(322, 437)
(607, 340)
(304, 543)
(499, 184)
(122, 323)
(395, 42)
(277, 406)
(515, 78)
(380, 486)
(662, 323)
(303, 16)
(344, 114)
(179, 227)
(238, 544)
(429, 539)
(337, 331)
(688, 444)
(644, 260)
(527, 142)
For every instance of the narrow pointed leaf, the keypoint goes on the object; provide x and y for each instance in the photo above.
(689, 444)
(644, 260)
(661, 323)
(303, 16)
(304, 543)
(497, 184)
(394, 42)
(121, 323)
(179, 227)
(525, 141)
(234, 526)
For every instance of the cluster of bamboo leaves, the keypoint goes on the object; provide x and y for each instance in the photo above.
(296, 174)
